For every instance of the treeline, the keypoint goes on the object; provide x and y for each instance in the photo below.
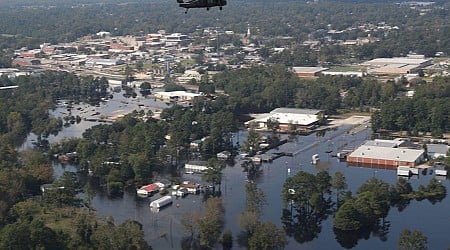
(300, 20)
(61, 220)
(427, 111)
(309, 201)
(26, 108)
(263, 88)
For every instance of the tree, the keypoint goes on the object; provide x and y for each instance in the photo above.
(64, 191)
(128, 235)
(267, 237)
(338, 182)
(34, 234)
(273, 125)
(248, 220)
(303, 185)
(323, 182)
(141, 167)
(347, 217)
(379, 193)
(213, 173)
(227, 240)
(139, 65)
(128, 72)
(211, 223)
(189, 224)
(145, 88)
(415, 240)
(255, 198)
(251, 145)
(403, 187)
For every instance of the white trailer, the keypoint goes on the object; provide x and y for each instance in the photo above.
(161, 202)
(403, 171)
(440, 171)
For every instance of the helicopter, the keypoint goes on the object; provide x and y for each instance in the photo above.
(202, 4)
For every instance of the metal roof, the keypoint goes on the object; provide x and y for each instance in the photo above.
(383, 143)
(438, 148)
(385, 153)
(296, 111)
(308, 69)
(396, 60)
(287, 118)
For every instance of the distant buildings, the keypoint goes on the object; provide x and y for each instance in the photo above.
(397, 65)
(104, 62)
(318, 71)
(308, 71)
(26, 61)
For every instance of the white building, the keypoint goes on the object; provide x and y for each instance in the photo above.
(196, 166)
(344, 73)
(287, 117)
(397, 65)
(177, 96)
(104, 62)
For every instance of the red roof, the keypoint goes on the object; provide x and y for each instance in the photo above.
(189, 185)
(150, 188)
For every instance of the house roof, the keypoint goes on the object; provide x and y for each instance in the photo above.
(385, 153)
(150, 188)
(197, 163)
(190, 185)
(438, 148)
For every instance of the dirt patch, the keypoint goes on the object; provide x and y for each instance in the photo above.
(352, 120)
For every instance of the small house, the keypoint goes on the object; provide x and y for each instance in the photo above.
(196, 166)
(192, 188)
(437, 150)
(148, 189)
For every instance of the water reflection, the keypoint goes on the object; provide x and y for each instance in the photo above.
(302, 226)
(349, 239)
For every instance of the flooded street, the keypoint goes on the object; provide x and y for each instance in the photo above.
(163, 229)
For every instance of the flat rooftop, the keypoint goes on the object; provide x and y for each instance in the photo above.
(386, 153)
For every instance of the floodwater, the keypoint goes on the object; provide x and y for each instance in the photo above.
(111, 108)
(163, 229)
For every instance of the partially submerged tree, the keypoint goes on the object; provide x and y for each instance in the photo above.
(415, 240)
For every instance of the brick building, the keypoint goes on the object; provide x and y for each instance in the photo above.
(390, 157)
